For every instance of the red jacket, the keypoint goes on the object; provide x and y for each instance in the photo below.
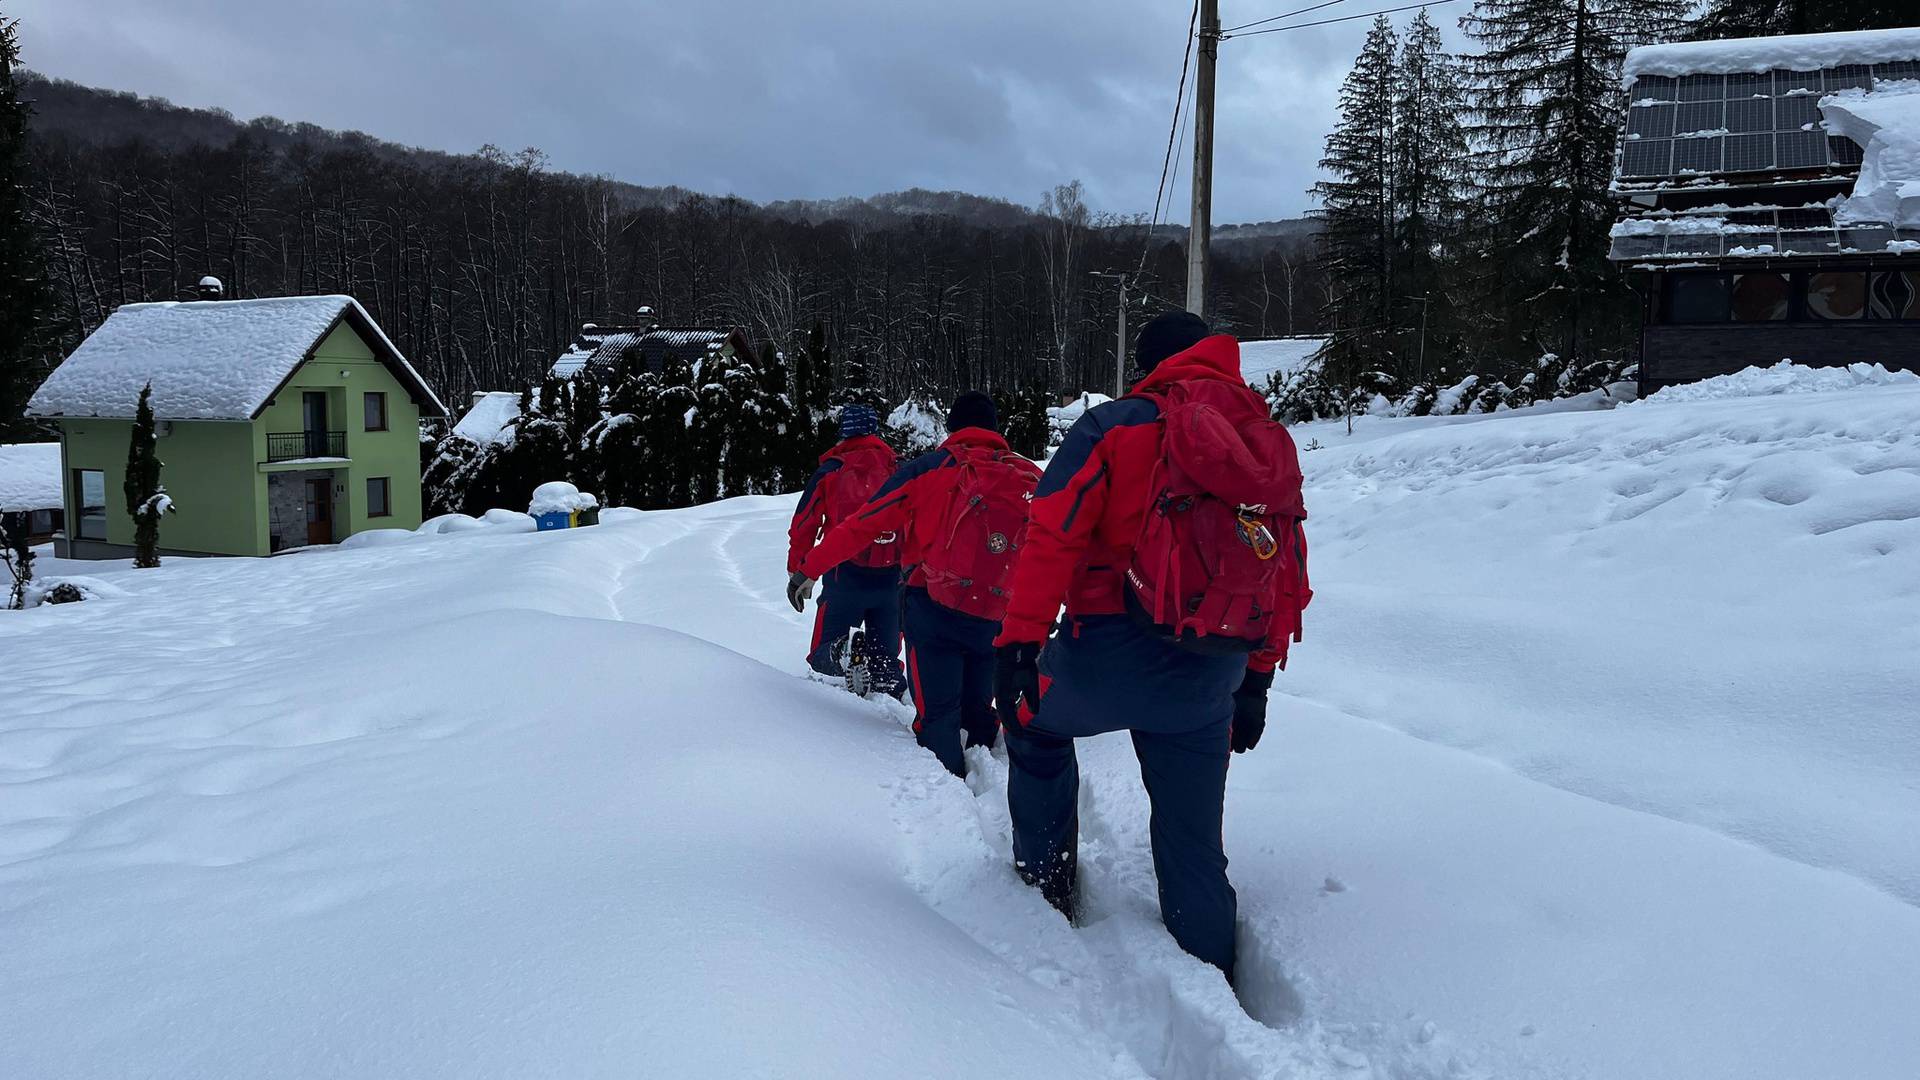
(1089, 506)
(816, 515)
(911, 504)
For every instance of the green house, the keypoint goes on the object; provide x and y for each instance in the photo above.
(282, 422)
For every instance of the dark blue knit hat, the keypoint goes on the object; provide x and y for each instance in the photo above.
(858, 420)
(973, 409)
(1167, 334)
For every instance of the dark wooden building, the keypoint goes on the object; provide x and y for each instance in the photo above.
(599, 351)
(1763, 214)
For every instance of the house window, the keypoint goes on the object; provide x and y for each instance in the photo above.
(1695, 298)
(378, 489)
(1761, 297)
(376, 411)
(1837, 294)
(91, 486)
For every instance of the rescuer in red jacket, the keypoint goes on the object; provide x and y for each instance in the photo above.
(864, 590)
(1104, 672)
(955, 570)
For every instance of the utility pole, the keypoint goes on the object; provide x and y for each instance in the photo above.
(1200, 237)
(1421, 369)
(1120, 342)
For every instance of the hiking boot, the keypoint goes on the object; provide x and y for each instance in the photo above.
(859, 673)
(1057, 884)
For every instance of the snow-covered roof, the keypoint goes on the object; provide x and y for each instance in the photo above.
(1885, 121)
(1791, 52)
(601, 351)
(1260, 360)
(208, 360)
(29, 476)
(486, 421)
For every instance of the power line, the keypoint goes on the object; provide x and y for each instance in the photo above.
(1341, 19)
(1277, 18)
(1173, 129)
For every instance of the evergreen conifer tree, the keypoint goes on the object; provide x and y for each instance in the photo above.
(1357, 239)
(1545, 116)
(1430, 159)
(22, 277)
(146, 499)
(1763, 18)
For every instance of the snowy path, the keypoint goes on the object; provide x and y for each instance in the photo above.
(1552, 791)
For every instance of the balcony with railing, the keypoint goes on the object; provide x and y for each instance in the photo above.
(301, 445)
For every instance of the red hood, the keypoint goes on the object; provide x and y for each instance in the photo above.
(859, 444)
(1216, 357)
(975, 436)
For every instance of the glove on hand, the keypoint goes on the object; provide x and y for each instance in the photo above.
(1016, 674)
(1250, 711)
(799, 590)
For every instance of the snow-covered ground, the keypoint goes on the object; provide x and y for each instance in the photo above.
(1598, 761)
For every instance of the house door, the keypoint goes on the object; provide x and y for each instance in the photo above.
(313, 405)
(320, 511)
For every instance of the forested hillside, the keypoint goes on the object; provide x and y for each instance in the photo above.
(483, 266)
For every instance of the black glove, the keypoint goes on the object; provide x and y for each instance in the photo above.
(799, 590)
(1016, 674)
(1250, 711)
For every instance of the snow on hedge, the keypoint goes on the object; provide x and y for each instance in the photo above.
(921, 424)
(29, 476)
(1885, 122)
(1796, 52)
(1785, 377)
(207, 360)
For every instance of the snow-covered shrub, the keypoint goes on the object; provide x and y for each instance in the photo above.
(1061, 418)
(916, 425)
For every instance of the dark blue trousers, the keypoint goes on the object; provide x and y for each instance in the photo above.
(950, 668)
(1107, 675)
(852, 596)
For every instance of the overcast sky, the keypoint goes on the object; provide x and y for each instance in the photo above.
(767, 99)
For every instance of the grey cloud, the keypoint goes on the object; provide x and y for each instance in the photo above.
(768, 99)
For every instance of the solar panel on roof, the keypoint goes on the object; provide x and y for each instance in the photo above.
(1697, 155)
(1750, 152)
(1844, 151)
(1650, 121)
(1647, 157)
(1806, 217)
(1702, 87)
(1800, 149)
(1750, 114)
(1897, 69)
(1695, 244)
(1795, 113)
(1700, 116)
(1849, 75)
(1749, 84)
(1808, 242)
(1796, 82)
(1654, 88)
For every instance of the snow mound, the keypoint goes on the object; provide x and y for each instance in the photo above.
(560, 497)
(1785, 377)
(1792, 52)
(29, 476)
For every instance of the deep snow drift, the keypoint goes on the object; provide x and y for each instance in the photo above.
(1597, 762)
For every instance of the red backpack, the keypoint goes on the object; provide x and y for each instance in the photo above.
(862, 471)
(969, 567)
(1220, 565)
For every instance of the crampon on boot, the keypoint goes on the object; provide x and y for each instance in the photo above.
(857, 665)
